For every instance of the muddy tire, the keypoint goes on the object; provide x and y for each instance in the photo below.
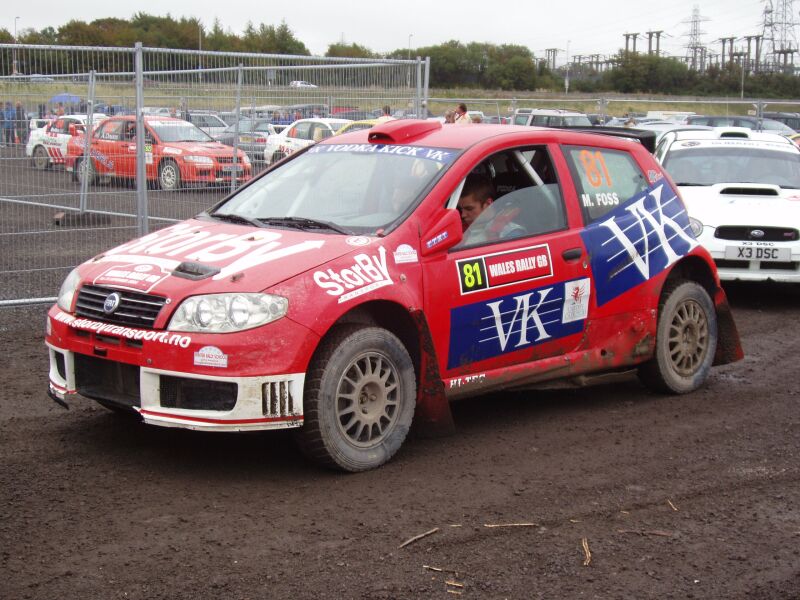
(169, 176)
(359, 399)
(686, 340)
(40, 158)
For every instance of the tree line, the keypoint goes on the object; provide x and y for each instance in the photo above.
(454, 64)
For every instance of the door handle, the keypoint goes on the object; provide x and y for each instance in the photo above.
(572, 254)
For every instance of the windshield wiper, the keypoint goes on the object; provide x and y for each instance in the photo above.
(688, 184)
(303, 223)
(232, 218)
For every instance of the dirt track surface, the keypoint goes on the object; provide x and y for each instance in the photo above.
(693, 496)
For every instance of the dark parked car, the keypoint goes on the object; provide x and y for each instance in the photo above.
(739, 121)
(253, 136)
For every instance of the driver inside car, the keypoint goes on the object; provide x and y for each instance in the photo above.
(476, 197)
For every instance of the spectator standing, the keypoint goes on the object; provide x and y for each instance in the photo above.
(60, 109)
(449, 116)
(9, 116)
(22, 124)
(461, 116)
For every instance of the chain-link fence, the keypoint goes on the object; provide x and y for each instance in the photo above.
(100, 145)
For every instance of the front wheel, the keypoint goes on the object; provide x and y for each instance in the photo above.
(686, 340)
(359, 399)
(169, 176)
(84, 169)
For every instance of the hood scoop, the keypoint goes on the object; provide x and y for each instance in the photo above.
(750, 191)
(195, 271)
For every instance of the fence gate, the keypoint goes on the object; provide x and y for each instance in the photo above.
(72, 186)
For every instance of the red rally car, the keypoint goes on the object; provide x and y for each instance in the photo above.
(176, 153)
(340, 294)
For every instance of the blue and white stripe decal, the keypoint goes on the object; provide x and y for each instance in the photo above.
(516, 321)
(637, 241)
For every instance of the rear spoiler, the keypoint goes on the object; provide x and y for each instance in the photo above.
(644, 137)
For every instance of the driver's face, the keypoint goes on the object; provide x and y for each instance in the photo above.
(470, 207)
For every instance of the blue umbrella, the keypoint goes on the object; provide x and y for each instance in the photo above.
(65, 98)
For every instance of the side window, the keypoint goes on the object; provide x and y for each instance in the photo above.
(604, 178)
(521, 120)
(110, 130)
(511, 194)
(302, 131)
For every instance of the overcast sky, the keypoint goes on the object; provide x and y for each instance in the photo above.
(586, 26)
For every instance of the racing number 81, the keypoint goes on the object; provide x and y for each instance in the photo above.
(594, 165)
(472, 274)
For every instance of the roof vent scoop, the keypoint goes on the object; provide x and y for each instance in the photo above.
(195, 271)
(400, 131)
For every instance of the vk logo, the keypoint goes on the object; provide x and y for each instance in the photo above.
(637, 241)
(487, 329)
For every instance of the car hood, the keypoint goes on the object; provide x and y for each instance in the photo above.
(742, 204)
(204, 257)
(207, 148)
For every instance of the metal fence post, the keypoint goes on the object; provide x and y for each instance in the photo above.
(418, 99)
(86, 165)
(426, 85)
(141, 173)
(238, 112)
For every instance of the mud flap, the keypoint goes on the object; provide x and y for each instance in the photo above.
(729, 345)
(432, 416)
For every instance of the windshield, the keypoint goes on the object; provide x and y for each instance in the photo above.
(179, 131)
(361, 188)
(703, 165)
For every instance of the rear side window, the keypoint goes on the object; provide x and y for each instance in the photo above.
(603, 178)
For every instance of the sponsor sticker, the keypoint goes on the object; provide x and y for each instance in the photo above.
(637, 241)
(487, 329)
(504, 268)
(358, 240)
(140, 278)
(434, 154)
(405, 254)
(576, 301)
(130, 333)
(210, 356)
(435, 241)
(366, 274)
(654, 176)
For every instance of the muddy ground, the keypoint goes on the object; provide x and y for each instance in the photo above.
(693, 496)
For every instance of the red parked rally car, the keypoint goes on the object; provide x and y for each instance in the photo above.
(340, 294)
(176, 153)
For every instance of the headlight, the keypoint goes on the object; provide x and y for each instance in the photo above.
(67, 292)
(696, 226)
(206, 160)
(223, 313)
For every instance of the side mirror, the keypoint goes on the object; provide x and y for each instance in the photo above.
(446, 233)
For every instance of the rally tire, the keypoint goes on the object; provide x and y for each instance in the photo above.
(686, 340)
(40, 158)
(169, 175)
(359, 399)
(85, 168)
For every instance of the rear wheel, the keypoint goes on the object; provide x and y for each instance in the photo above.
(40, 158)
(686, 340)
(169, 176)
(359, 399)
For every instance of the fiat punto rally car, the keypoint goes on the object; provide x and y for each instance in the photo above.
(176, 153)
(742, 190)
(339, 293)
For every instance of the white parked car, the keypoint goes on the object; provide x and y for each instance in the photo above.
(300, 134)
(742, 192)
(48, 145)
(301, 84)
